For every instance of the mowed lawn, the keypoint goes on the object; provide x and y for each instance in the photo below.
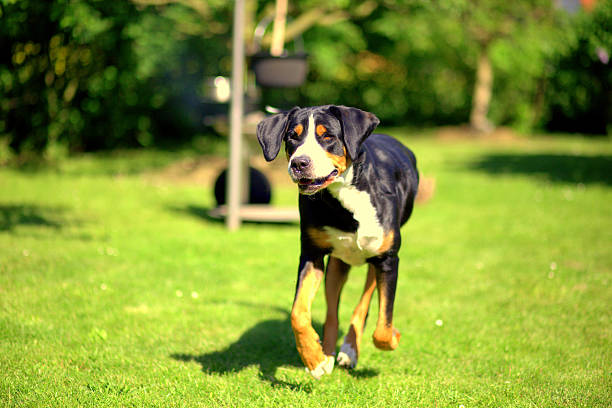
(117, 290)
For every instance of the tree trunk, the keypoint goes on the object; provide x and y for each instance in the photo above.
(482, 93)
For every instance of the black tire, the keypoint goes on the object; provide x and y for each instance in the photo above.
(260, 188)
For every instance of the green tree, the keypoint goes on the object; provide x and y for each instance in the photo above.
(487, 22)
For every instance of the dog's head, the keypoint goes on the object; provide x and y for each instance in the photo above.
(320, 141)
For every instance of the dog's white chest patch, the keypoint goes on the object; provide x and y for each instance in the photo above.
(345, 246)
(355, 247)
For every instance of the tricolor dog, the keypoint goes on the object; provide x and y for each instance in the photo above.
(356, 190)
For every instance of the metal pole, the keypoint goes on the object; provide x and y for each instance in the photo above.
(234, 190)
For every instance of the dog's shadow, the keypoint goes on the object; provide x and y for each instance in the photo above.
(269, 344)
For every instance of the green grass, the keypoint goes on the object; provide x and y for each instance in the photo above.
(117, 291)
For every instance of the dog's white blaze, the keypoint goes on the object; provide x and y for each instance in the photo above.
(355, 248)
(311, 148)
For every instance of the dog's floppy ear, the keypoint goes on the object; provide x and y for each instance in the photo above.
(357, 125)
(270, 133)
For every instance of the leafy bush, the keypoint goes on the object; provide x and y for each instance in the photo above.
(85, 75)
(579, 88)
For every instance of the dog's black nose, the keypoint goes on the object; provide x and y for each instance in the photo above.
(300, 163)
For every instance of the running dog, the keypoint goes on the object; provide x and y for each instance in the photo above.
(356, 190)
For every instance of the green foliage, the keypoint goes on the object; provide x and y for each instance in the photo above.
(579, 88)
(89, 74)
(521, 65)
(61, 74)
(84, 75)
(418, 64)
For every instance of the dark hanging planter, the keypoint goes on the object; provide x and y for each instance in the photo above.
(285, 71)
(279, 68)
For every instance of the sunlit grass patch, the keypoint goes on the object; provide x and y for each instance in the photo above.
(114, 291)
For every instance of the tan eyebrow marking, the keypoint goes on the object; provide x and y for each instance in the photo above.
(298, 129)
(321, 130)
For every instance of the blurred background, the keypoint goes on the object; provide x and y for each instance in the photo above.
(87, 75)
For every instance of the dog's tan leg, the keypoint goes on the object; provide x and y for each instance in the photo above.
(349, 352)
(306, 338)
(386, 337)
(335, 278)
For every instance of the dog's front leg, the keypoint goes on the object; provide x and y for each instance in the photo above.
(335, 278)
(310, 275)
(386, 337)
(349, 352)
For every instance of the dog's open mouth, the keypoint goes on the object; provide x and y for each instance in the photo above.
(308, 185)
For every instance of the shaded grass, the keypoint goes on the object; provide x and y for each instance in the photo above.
(118, 292)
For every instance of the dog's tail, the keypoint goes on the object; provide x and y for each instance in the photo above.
(427, 187)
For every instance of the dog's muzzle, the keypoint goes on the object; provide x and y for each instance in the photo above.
(301, 172)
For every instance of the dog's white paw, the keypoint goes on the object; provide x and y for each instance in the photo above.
(347, 357)
(325, 367)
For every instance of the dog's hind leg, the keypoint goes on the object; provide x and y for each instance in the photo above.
(335, 278)
(386, 337)
(310, 275)
(349, 352)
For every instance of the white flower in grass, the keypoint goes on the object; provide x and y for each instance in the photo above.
(439, 323)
